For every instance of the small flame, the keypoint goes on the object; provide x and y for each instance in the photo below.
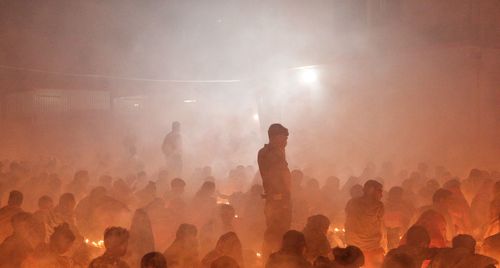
(258, 254)
(96, 244)
(236, 216)
(222, 201)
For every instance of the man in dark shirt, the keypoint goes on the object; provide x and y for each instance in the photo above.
(276, 180)
(172, 150)
(291, 252)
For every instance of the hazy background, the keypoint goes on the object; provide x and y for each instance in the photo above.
(398, 80)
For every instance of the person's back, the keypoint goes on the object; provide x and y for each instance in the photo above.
(115, 242)
(224, 262)
(462, 254)
(286, 260)
(183, 253)
(349, 257)
(290, 254)
(416, 246)
(153, 260)
(397, 216)
(400, 261)
(364, 216)
(317, 243)
(52, 254)
(435, 225)
(491, 246)
(45, 215)
(12, 208)
(16, 247)
(228, 245)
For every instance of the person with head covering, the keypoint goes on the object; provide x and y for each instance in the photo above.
(228, 245)
(425, 193)
(480, 206)
(153, 260)
(79, 185)
(52, 254)
(494, 214)
(116, 243)
(7, 212)
(26, 236)
(224, 262)
(299, 202)
(435, 225)
(65, 209)
(491, 246)
(459, 208)
(315, 231)
(177, 190)
(441, 205)
(314, 199)
(290, 255)
(400, 260)
(97, 210)
(322, 262)
(146, 195)
(462, 255)
(333, 199)
(276, 179)
(172, 150)
(141, 239)
(416, 246)
(183, 253)
(205, 202)
(172, 214)
(349, 257)
(45, 213)
(363, 224)
(397, 216)
(221, 224)
(253, 219)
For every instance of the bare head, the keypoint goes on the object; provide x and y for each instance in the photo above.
(278, 135)
(116, 241)
(15, 198)
(176, 126)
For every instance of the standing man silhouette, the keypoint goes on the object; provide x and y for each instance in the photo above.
(276, 179)
(172, 150)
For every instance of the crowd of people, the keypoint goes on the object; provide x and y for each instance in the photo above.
(59, 215)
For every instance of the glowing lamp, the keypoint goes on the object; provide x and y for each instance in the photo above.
(308, 76)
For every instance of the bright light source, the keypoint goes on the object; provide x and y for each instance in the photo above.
(189, 101)
(308, 76)
(255, 117)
